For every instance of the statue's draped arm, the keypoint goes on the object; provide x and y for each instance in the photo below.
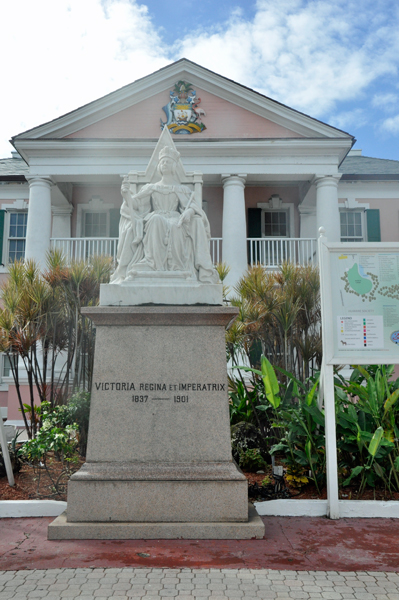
(131, 228)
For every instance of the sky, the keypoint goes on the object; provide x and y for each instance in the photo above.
(335, 61)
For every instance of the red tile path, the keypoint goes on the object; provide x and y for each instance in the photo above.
(291, 543)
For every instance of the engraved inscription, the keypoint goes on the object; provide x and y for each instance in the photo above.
(176, 398)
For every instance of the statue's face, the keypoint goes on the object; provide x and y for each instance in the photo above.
(166, 165)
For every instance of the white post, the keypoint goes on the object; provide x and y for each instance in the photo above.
(327, 386)
(331, 443)
(327, 206)
(38, 230)
(6, 455)
(234, 246)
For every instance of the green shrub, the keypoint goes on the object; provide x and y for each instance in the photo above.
(251, 460)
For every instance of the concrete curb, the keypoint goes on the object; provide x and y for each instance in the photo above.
(31, 508)
(365, 509)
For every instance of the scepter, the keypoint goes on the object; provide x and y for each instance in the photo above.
(186, 209)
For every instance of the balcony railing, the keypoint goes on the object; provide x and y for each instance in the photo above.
(270, 252)
(83, 248)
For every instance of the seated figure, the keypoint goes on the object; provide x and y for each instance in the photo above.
(162, 229)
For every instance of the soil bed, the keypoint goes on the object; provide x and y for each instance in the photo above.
(34, 483)
(37, 483)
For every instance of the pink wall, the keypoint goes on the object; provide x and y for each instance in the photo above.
(223, 119)
(13, 405)
(289, 195)
(82, 194)
(253, 195)
(3, 398)
(389, 217)
(214, 198)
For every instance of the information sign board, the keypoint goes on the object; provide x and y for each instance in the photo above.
(360, 302)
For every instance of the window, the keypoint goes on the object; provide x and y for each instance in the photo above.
(352, 226)
(95, 224)
(275, 223)
(17, 235)
(6, 366)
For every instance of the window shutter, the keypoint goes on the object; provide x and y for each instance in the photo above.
(114, 216)
(373, 225)
(2, 215)
(254, 222)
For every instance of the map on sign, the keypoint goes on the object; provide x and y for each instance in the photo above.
(365, 303)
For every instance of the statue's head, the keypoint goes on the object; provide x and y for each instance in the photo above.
(167, 160)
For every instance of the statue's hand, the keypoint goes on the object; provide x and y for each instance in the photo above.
(125, 188)
(185, 217)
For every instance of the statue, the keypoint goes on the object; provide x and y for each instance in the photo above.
(163, 230)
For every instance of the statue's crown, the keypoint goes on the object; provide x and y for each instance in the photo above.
(170, 153)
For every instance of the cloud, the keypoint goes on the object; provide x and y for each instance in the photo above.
(313, 55)
(387, 101)
(350, 119)
(62, 54)
(391, 125)
(309, 55)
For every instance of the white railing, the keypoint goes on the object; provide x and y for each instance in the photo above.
(82, 248)
(272, 252)
(215, 246)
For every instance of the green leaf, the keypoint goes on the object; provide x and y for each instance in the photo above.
(270, 382)
(310, 395)
(291, 377)
(396, 463)
(391, 401)
(243, 368)
(363, 371)
(316, 413)
(375, 441)
(355, 472)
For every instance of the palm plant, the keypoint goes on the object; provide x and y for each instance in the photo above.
(41, 323)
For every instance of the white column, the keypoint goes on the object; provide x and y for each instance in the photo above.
(61, 221)
(327, 206)
(234, 248)
(38, 230)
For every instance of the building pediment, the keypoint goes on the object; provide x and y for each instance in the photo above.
(227, 109)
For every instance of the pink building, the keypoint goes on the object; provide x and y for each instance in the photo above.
(271, 175)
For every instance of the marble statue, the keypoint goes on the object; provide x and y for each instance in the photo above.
(163, 230)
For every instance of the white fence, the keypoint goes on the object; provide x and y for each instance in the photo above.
(270, 252)
(82, 248)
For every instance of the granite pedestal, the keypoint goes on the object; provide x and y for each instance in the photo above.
(159, 459)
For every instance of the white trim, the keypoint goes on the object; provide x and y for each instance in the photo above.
(31, 508)
(367, 509)
(95, 204)
(275, 204)
(359, 208)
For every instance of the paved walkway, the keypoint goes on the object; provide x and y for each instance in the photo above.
(197, 584)
(293, 543)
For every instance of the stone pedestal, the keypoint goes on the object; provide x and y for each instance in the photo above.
(159, 458)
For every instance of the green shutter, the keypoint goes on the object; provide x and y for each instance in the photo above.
(254, 226)
(114, 215)
(254, 222)
(2, 214)
(373, 225)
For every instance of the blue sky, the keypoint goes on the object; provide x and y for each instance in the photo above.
(336, 61)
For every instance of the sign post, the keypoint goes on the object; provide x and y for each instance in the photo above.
(6, 454)
(359, 289)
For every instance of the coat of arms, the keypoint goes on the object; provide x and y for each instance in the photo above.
(182, 112)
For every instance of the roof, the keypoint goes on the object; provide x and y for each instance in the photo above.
(365, 167)
(13, 169)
